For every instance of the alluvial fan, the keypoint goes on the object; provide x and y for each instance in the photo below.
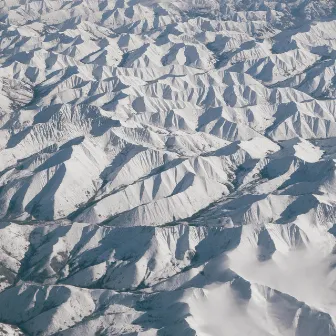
(168, 167)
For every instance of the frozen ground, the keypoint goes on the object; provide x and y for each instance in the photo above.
(168, 168)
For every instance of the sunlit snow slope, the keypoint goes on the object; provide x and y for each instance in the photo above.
(168, 168)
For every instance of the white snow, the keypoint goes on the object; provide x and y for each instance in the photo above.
(167, 167)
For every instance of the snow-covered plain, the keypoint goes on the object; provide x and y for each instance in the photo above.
(168, 167)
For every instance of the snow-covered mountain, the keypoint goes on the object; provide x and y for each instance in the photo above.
(168, 167)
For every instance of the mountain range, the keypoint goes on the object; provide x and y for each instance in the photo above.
(168, 167)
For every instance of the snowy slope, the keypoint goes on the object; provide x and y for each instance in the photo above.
(168, 167)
